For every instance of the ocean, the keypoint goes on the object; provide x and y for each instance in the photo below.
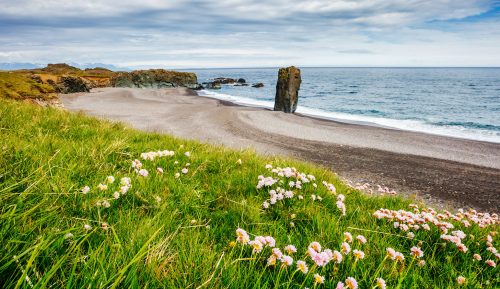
(456, 102)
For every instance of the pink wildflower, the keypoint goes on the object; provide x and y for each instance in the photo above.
(143, 172)
(417, 252)
(361, 239)
(277, 253)
(271, 261)
(381, 283)
(242, 236)
(391, 253)
(318, 279)
(287, 260)
(302, 266)
(315, 246)
(345, 248)
(359, 255)
(290, 249)
(337, 257)
(347, 237)
(351, 283)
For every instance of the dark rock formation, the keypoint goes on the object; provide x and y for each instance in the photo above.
(153, 78)
(195, 86)
(216, 83)
(71, 84)
(212, 85)
(258, 85)
(224, 80)
(287, 89)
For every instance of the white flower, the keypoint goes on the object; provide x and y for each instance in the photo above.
(67, 236)
(265, 205)
(158, 199)
(143, 172)
(184, 170)
(159, 170)
(187, 154)
(102, 187)
(124, 189)
(125, 181)
(106, 204)
(136, 164)
(85, 190)
(110, 179)
(239, 161)
(87, 227)
(177, 175)
(116, 195)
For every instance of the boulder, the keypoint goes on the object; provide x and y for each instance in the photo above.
(212, 85)
(195, 86)
(241, 80)
(258, 85)
(72, 84)
(224, 80)
(287, 89)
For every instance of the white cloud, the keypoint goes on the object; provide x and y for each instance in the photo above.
(236, 33)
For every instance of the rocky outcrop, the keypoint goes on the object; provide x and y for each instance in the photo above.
(258, 85)
(153, 78)
(217, 83)
(72, 84)
(287, 89)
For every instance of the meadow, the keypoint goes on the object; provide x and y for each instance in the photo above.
(88, 203)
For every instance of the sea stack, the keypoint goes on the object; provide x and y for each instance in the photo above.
(287, 89)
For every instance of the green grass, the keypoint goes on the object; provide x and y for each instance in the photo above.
(17, 85)
(186, 240)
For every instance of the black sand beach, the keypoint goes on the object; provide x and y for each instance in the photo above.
(444, 171)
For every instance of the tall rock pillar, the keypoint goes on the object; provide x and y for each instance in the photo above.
(287, 89)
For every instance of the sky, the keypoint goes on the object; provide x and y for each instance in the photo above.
(257, 33)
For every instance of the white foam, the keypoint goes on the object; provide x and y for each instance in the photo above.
(408, 125)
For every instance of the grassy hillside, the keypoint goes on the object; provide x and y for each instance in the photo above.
(21, 86)
(175, 225)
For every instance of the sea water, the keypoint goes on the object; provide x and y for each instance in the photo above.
(457, 102)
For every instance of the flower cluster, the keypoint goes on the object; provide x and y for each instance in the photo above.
(121, 189)
(153, 155)
(394, 255)
(318, 256)
(456, 238)
(349, 283)
(340, 203)
(295, 181)
(369, 189)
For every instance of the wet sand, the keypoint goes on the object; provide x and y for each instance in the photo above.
(442, 170)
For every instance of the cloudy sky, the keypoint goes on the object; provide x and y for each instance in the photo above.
(256, 33)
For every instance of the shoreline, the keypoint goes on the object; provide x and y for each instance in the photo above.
(387, 123)
(440, 170)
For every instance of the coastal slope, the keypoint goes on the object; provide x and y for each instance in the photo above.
(439, 169)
